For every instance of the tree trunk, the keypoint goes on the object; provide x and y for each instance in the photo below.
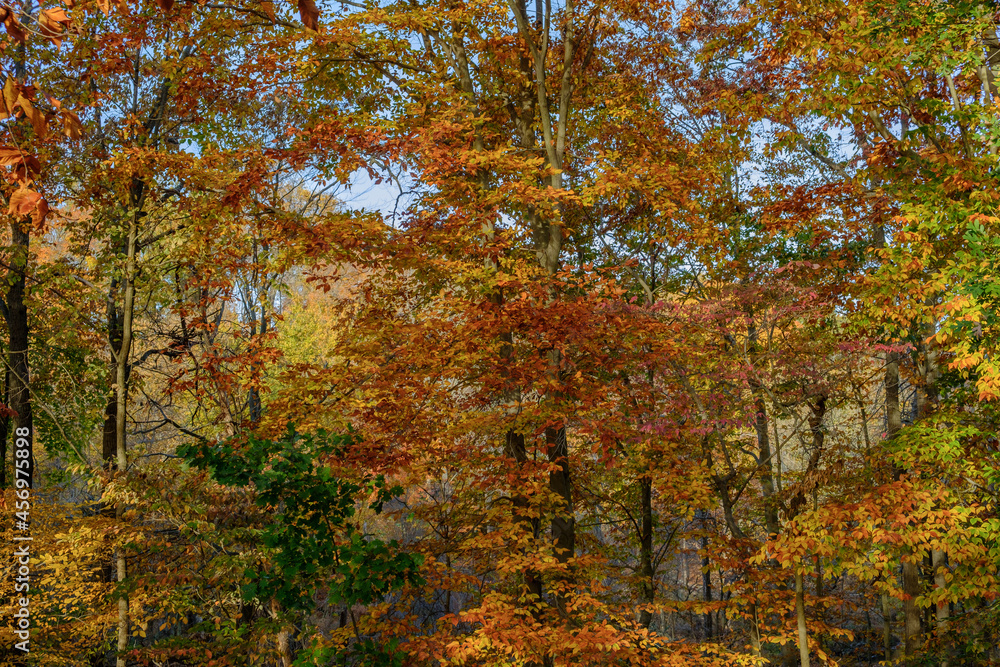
(548, 239)
(800, 618)
(522, 515)
(284, 648)
(522, 111)
(16, 313)
(986, 70)
(17, 326)
(911, 613)
(258, 330)
(893, 415)
(515, 449)
(927, 396)
(563, 522)
(109, 439)
(109, 434)
(886, 627)
(647, 591)
(939, 561)
(766, 477)
(754, 631)
(4, 430)
(817, 428)
(121, 391)
(706, 577)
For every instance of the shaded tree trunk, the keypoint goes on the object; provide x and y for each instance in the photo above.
(817, 428)
(706, 579)
(886, 627)
(766, 476)
(911, 613)
(647, 591)
(911, 574)
(943, 612)
(563, 523)
(16, 314)
(516, 450)
(4, 429)
(113, 321)
(121, 391)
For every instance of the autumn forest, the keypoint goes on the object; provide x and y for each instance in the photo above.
(536, 333)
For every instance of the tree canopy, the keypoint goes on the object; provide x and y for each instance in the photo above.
(446, 332)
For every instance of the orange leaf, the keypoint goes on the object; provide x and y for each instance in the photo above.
(10, 94)
(40, 212)
(9, 156)
(23, 202)
(268, 8)
(72, 127)
(36, 117)
(54, 16)
(52, 23)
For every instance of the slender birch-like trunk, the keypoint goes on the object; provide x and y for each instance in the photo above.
(121, 391)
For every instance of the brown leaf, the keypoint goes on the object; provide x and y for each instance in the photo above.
(165, 5)
(309, 14)
(31, 168)
(14, 28)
